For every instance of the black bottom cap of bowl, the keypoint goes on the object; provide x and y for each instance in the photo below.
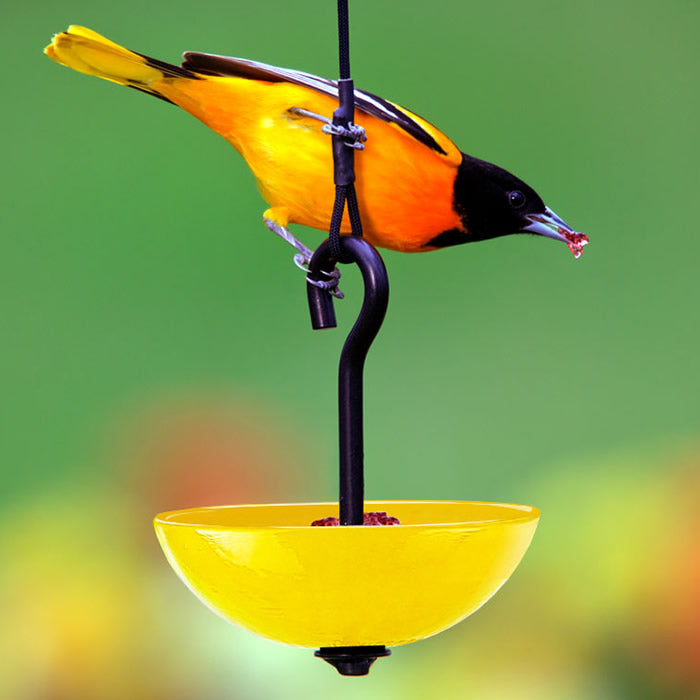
(352, 661)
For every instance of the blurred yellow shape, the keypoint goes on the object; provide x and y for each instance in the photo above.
(263, 567)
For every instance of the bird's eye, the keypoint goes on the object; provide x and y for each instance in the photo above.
(517, 199)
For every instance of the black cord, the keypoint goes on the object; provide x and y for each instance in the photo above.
(344, 194)
(344, 39)
(336, 219)
(343, 155)
(354, 211)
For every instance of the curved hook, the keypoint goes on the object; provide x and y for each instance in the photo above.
(352, 359)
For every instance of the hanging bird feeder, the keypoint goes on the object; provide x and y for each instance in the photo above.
(349, 591)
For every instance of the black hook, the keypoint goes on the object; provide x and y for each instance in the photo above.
(352, 358)
(351, 661)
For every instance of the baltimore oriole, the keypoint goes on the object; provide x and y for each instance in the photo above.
(416, 190)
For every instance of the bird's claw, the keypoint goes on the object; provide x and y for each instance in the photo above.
(302, 262)
(303, 258)
(331, 285)
(353, 135)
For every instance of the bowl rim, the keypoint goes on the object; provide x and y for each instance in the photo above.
(527, 514)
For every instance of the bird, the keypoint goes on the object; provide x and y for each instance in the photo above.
(417, 192)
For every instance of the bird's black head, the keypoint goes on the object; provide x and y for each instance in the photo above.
(491, 202)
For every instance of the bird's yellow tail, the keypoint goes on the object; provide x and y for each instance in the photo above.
(89, 52)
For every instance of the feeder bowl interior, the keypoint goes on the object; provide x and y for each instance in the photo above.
(264, 567)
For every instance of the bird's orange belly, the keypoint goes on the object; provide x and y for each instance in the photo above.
(405, 199)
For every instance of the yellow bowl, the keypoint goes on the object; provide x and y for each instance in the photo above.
(263, 567)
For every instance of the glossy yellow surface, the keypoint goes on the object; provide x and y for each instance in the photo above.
(264, 568)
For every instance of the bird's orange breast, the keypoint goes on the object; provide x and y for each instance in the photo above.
(405, 189)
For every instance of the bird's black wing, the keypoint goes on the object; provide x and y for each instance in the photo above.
(210, 64)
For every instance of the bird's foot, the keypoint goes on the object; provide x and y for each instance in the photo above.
(353, 135)
(330, 285)
(303, 258)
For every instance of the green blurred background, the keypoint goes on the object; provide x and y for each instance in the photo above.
(157, 354)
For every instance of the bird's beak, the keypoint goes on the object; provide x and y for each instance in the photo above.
(553, 226)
